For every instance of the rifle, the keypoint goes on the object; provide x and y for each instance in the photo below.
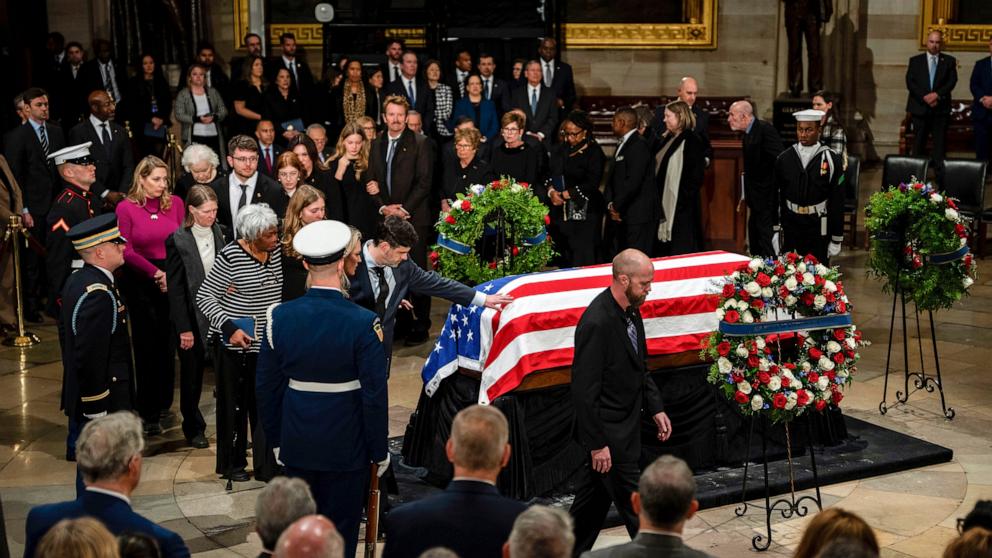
(372, 512)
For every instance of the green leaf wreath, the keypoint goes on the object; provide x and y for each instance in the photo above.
(527, 247)
(919, 244)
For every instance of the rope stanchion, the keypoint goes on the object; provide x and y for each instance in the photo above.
(15, 230)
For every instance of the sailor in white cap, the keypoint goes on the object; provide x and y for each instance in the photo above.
(321, 383)
(75, 204)
(809, 179)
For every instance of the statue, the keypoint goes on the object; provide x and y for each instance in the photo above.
(806, 18)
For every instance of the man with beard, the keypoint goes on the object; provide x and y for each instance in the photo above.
(610, 387)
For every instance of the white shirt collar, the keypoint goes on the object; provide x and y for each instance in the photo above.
(623, 140)
(288, 61)
(535, 88)
(98, 126)
(109, 493)
(659, 532)
(325, 288)
(367, 255)
(235, 182)
(474, 479)
(109, 275)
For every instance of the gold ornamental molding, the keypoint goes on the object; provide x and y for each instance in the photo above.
(935, 15)
(699, 34)
(240, 23)
(307, 34)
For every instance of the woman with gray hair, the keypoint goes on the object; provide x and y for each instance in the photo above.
(201, 165)
(246, 278)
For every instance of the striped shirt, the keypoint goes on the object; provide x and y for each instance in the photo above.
(239, 286)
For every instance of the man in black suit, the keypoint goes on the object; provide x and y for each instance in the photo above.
(470, 517)
(456, 79)
(252, 44)
(301, 78)
(104, 73)
(268, 150)
(245, 185)
(930, 79)
(664, 501)
(318, 133)
(27, 150)
(610, 389)
(413, 88)
(71, 94)
(111, 149)
(981, 107)
(394, 60)
(538, 103)
(557, 75)
(762, 146)
(632, 198)
(493, 88)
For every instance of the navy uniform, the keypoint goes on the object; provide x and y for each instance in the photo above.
(326, 417)
(93, 331)
(811, 196)
(73, 206)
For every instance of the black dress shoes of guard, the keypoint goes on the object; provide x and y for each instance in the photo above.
(239, 475)
(199, 441)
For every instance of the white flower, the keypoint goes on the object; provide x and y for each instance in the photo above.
(753, 288)
(796, 384)
(755, 264)
(806, 366)
(825, 364)
(724, 365)
(767, 292)
(936, 198)
(819, 301)
(742, 351)
(967, 281)
(477, 189)
(951, 214)
(830, 287)
(791, 283)
(744, 386)
(760, 342)
(720, 312)
(790, 300)
(964, 241)
(730, 303)
(851, 343)
(757, 403)
(735, 275)
(808, 279)
(843, 373)
(801, 267)
(775, 383)
(763, 365)
(516, 188)
(790, 401)
(833, 347)
(821, 269)
(790, 269)
(742, 306)
(747, 318)
(786, 373)
(823, 383)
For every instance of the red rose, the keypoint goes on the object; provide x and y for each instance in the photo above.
(813, 377)
(849, 354)
(515, 251)
(466, 205)
(789, 366)
(547, 220)
(839, 358)
(764, 377)
(492, 264)
(728, 290)
(857, 335)
(951, 204)
(815, 353)
(830, 297)
(757, 304)
(763, 280)
(811, 259)
(783, 292)
(434, 256)
(831, 375)
(449, 220)
(779, 401)
(741, 397)
(821, 404)
(841, 307)
(737, 377)
(494, 183)
(768, 350)
(791, 256)
(524, 185)
(752, 361)
(967, 260)
(779, 270)
(731, 316)
(819, 281)
(802, 397)
(773, 369)
(786, 382)
(837, 397)
(723, 348)
(807, 299)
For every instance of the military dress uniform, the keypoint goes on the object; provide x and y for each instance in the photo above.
(811, 201)
(325, 417)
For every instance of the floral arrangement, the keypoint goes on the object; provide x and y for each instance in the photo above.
(798, 348)
(920, 245)
(526, 248)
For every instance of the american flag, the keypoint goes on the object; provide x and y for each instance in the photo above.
(537, 331)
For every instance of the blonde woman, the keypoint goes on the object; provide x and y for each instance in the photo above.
(200, 110)
(84, 537)
(146, 217)
(680, 167)
(350, 165)
(305, 207)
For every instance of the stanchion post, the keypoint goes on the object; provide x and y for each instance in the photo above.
(23, 339)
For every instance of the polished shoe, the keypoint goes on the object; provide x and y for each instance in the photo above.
(152, 429)
(414, 339)
(238, 476)
(199, 441)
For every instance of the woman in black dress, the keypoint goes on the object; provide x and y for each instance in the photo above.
(466, 169)
(284, 108)
(318, 176)
(305, 207)
(248, 95)
(577, 205)
(352, 98)
(148, 106)
(680, 179)
(515, 157)
(289, 174)
(349, 170)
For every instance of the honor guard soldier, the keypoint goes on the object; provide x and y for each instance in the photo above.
(809, 179)
(321, 383)
(93, 328)
(73, 206)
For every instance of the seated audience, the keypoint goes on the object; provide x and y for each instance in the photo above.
(470, 517)
(664, 501)
(973, 543)
(279, 504)
(78, 538)
(541, 532)
(831, 524)
(312, 536)
(108, 454)
(201, 165)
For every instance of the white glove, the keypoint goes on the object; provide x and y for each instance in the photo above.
(833, 249)
(777, 242)
(276, 452)
(383, 465)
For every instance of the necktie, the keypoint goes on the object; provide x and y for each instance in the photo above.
(389, 165)
(383, 296)
(533, 101)
(933, 69)
(632, 332)
(105, 137)
(410, 92)
(243, 200)
(44, 139)
(486, 88)
(268, 158)
(396, 73)
(109, 82)
(292, 70)
(547, 74)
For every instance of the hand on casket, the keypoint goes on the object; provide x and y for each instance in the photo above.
(497, 301)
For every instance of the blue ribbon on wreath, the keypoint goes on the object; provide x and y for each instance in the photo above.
(455, 246)
(786, 326)
(948, 257)
(536, 239)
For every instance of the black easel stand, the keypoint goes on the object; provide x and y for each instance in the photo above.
(920, 379)
(790, 506)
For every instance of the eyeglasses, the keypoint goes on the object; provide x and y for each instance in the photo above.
(572, 134)
(462, 146)
(249, 159)
(511, 130)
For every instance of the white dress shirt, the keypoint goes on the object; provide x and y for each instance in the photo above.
(234, 193)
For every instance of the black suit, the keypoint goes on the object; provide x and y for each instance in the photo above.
(499, 93)
(929, 120)
(302, 82)
(263, 166)
(648, 545)
(545, 120)
(610, 389)
(469, 517)
(630, 187)
(762, 146)
(114, 163)
(562, 83)
(92, 79)
(421, 103)
(69, 97)
(265, 191)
